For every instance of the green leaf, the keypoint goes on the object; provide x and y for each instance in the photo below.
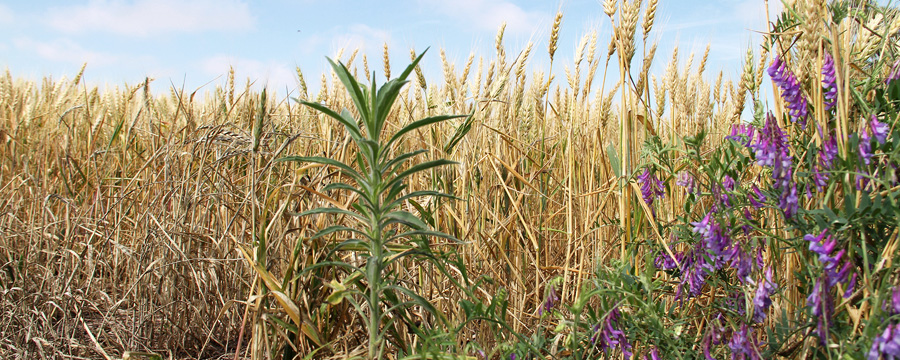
(390, 90)
(420, 167)
(332, 210)
(349, 124)
(325, 161)
(416, 194)
(403, 217)
(399, 160)
(460, 133)
(420, 123)
(337, 228)
(431, 233)
(356, 93)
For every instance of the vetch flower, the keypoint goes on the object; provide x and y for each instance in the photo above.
(687, 180)
(651, 187)
(865, 147)
(790, 90)
(829, 82)
(743, 345)
(771, 143)
(550, 302)
(762, 298)
(666, 262)
(788, 201)
(608, 337)
(742, 134)
(887, 345)
(819, 300)
(757, 198)
(879, 129)
(894, 74)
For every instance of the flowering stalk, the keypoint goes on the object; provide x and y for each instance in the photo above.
(791, 92)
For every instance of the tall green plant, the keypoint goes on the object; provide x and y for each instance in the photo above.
(384, 233)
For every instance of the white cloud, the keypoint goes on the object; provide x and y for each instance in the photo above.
(6, 15)
(367, 39)
(64, 50)
(146, 17)
(272, 74)
(489, 14)
(752, 13)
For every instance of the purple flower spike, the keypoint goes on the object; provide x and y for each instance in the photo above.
(865, 147)
(665, 262)
(742, 134)
(850, 286)
(887, 345)
(654, 355)
(791, 92)
(757, 198)
(687, 180)
(651, 187)
(702, 227)
(743, 345)
(828, 153)
(607, 336)
(728, 183)
(771, 143)
(894, 74)
(829, 82)
(893, 306)
(762, 299)
(879, 129)
(789, 202)
(550, 303)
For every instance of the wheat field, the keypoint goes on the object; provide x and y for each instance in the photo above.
(132, 216)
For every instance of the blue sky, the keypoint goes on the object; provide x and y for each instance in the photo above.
(193, 42)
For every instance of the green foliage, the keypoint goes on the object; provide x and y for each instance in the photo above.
(384, 234)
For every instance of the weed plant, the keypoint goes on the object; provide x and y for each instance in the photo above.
(615, 214)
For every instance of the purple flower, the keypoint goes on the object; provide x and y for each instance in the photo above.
(740, 261)
(654, 354)
(550, 303)
(865, 147)
(887, 345)
(828, 153)
(687, 180)
(791, 92)
(749, 217)
(728, 183)
(894, 74)
(703, 227)
(743, 345)
(819, 300)
(788, 201)
(829, 82)
(607, 336)
(879, 129)
(762, 299)
(757, 198)
(742, 133)
(771, 143)
(666, 262)
(824, 246)
(651, 187)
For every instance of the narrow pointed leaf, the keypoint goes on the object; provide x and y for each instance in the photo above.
(324, 161)
(351, 126)
(332, 210)
(353, 87)
(420, 123)
(421, 167)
